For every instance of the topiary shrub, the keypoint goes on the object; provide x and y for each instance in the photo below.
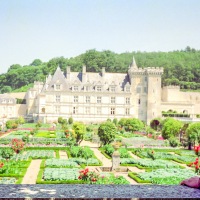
(70, 120)
(174, 142)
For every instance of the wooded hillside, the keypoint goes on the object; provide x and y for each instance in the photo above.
(180, 67)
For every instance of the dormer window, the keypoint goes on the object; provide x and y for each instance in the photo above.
(57, 86)
(76, 88)
(87, 88)
(127, 89)
(112, 88)
(3, 101)
(99, 88)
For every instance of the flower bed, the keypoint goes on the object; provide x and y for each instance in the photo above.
(163, 176)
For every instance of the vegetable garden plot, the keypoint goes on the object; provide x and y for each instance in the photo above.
(60, 163)
(40, 154)
(166, 176)
(148, 163)
(90, 161)
(7, 180)
(59, 174)
(138, 141)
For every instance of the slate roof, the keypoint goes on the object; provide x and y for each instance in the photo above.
(116, 79)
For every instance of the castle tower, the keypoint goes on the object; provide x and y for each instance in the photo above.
(154, 93)
(146, 91)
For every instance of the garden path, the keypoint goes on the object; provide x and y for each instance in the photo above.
(133, 155)
(32, 172)
(4, 135)
(105, 161)
(63, 154)
(130, 180)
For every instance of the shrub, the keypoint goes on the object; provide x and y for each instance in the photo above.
(79, 131)
(70, 120)
(17, 145)
(7, 153)
(106, 132)
(25, 138)
(134, 124)
(174, 142)
(11, 124)
(115, 121)
(171, 128)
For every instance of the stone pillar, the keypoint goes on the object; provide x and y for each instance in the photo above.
(115, 160)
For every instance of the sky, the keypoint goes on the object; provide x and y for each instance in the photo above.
(45, 29)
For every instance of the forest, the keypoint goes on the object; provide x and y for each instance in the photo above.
(181, 67)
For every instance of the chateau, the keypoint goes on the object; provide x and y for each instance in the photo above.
(95, 97)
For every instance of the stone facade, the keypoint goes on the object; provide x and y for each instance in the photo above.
(95, 97)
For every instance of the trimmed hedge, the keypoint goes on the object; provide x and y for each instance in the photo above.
(104, 153)
(136, 178)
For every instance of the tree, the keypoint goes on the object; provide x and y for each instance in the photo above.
(13, 67)
(156, 123)
(193, 134)
(36, 62)
(134, 124)
(6, 89)
(79, 131)
(171, 128)
(20, 120)
(106, 132)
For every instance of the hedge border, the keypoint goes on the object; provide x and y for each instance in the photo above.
(137, 179)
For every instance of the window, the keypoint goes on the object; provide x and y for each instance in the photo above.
(112, 100)
(87, 110)
(112, 88)
(57, 98)
(10, 109)
(57, 109)
(112, 111)
(98, 99)
(138, 90)
(75, 99)
(127, 89)
(145, 79)
(75, 88)
(127, 111)
(99, 88)
(57, 87)
(99, 110)
(139, 101)
(75, 110)
(87, 99)
(10, 101)
(87, 88)
(145, 90)
(3, 101)
(127, 100)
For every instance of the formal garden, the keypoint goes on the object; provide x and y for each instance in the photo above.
(68, 152)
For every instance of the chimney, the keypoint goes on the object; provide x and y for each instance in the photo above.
(84, 74)
(103, 72)
(68, 73)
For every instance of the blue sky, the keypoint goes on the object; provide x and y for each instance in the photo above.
(45, 29)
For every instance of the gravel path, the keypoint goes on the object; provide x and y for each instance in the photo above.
(32, 172)
(63, 154)
(106, 162)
